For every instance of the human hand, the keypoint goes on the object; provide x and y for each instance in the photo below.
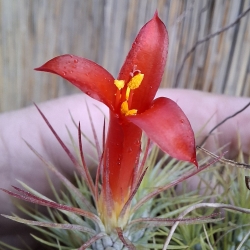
(19, 162)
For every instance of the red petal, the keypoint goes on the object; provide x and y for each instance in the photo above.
(88, 76)
(167, 125)
(148, 54)
(121, 155)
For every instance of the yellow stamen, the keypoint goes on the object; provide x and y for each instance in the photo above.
(126, 111)
(127, 93)
(124, 107)
(135, 81)
(119, 84)
(132, 112)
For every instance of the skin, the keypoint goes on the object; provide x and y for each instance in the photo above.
(17, 161)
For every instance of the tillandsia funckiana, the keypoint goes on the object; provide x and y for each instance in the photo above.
(132, 109)
(114, 217)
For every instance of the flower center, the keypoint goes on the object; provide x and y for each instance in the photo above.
(133, 84)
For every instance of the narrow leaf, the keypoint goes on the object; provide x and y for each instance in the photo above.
(65, 148)
(78, 195)
(126, 242)
(51, 225)
(34, 199)
(160, 222)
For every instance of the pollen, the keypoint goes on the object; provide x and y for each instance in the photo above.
(125, 110)
(136, 80)
(119, 84)
(127, 93)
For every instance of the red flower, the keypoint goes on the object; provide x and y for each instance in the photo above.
(132, 107)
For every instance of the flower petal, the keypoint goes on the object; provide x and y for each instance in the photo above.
(167, 125)
(148, 54)
(121, 155)
(88, 76)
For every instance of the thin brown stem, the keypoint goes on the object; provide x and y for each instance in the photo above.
(207, 38)
(223, 160)
(127, 243)
(222, 122)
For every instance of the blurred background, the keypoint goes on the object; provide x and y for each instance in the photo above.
(34, 31)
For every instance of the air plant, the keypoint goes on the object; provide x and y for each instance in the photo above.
(115, 209)
(132, 109)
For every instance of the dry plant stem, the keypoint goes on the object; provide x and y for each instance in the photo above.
(247, 181)
(205, 40)
(126, 242)
(223, 160)
(193, 207)
(222, 122)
